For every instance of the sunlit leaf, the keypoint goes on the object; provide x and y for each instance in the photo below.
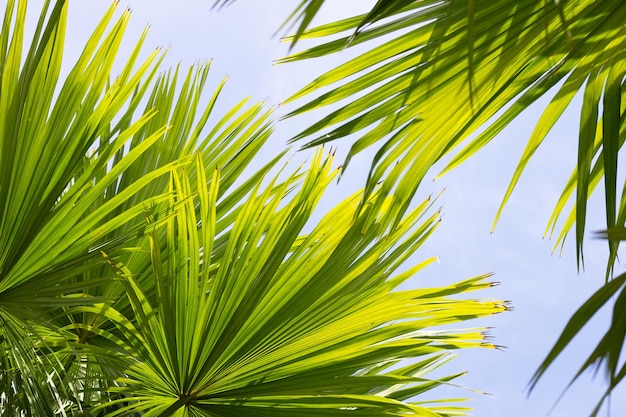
(284, 327)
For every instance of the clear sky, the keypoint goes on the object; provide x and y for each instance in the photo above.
(545, 289)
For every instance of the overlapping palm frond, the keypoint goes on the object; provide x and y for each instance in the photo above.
(281, 323)
(133, 283)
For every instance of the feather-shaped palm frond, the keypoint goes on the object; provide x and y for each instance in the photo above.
(440, 76)
(439, 70)
(608, 351)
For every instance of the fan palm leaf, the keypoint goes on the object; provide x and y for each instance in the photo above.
(285, 323)
(82, 164)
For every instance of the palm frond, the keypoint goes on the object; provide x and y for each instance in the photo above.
(54, 146)
(444, 75)
(608, 351)
(441, 70)
(81, 166)
(284, 323)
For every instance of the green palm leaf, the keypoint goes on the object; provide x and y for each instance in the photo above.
(82, 165)
(443, 78)
(284, 323)
(441, 70)
(55, 139)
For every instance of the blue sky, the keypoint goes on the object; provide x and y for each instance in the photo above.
(545, 289)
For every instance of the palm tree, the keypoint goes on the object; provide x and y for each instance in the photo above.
(146, 267)
(443, 74)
